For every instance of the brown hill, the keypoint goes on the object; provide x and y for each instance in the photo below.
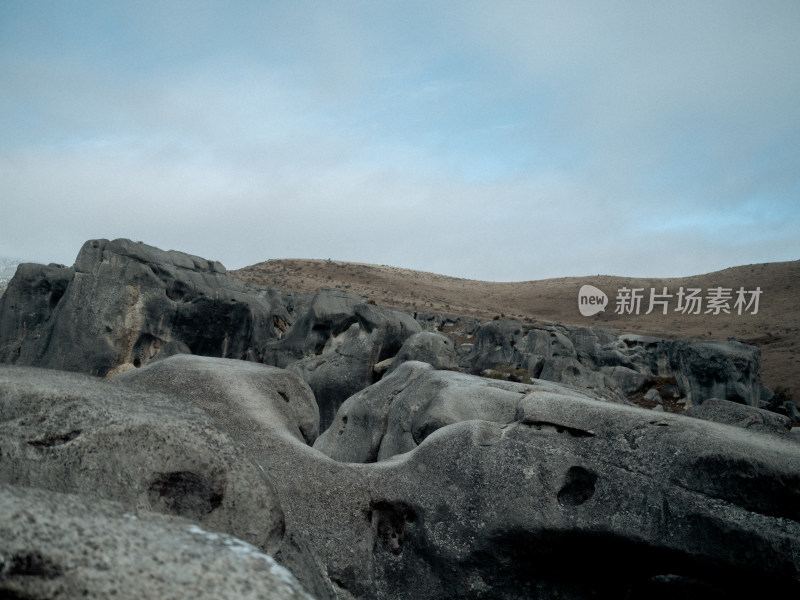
(774, 328)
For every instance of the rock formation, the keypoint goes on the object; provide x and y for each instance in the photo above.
(492, 502)
(430, 482)
(125, 303)
(65, 546)
(336, 344)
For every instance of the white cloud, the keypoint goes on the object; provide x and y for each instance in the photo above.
(496, 141)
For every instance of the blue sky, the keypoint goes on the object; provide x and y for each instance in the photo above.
(490, 140)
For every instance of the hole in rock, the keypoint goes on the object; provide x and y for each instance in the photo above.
(32, 564)
(185, 493)
(578, 487)
(389, 521)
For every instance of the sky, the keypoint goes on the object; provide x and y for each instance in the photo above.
(501, 141)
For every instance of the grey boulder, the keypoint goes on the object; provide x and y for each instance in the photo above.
(126, 303)
(64, 546)
(71, 433)
(396, 414)
(336, 344)
(436, 349)
(739, 415)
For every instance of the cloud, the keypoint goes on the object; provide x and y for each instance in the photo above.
(498, 141)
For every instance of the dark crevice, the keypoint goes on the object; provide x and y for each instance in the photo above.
(59, 439)
(573, 431)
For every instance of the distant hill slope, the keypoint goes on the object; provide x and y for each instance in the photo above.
(775, 328)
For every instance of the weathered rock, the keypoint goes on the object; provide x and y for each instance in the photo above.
(267, 398)
(125, 302)
(710, 369)
(496, 344)
(435, 349)
(397, 414)
(702, 369)
(65, 546)
(628, 381)
(514, 509)
(747, 417)
(506, 509)
(617, 368)
(71, 433)
(271, 415)
(336, 344)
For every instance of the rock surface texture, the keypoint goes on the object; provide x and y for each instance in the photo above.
(499, 500)
(429, 482)
(65, 546)
(125, 304)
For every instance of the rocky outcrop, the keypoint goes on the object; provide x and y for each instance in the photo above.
(746, 417)
(433, 348)
(620, 367)
(71, 433)
(336, 344)
(125, 303)
(506, 490)
(397, 414)
(65, 546)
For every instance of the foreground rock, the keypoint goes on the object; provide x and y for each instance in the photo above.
(71, 433)
(566, 496)
(65, 546)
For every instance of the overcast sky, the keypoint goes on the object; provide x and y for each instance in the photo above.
(490, 140)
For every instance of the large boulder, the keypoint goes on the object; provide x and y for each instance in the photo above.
(397, 414)
(566, 496)
(579, 499)
(64, 546)
(71, 433)
(336, 344)
(242, 397)
(126, 303)
(436, 349)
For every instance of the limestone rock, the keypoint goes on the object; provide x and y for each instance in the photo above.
(747, 417)
(271, 398)
(336, 344)
(125, 302)
(72, 433)
(435, 349)
(65, 546)
(506, 505)
(396, 414)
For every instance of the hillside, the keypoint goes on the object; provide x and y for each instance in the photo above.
(775, 328)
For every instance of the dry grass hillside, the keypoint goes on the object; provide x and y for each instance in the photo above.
(774, 328)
